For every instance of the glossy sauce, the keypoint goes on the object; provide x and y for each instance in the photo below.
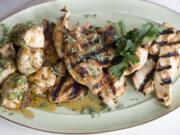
(25, 112)
(88, 101)
(43, 104)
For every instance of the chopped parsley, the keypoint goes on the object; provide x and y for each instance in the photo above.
(15, 95)
(89, 110)
(90, 15)
(70, 39)
(4, 34)
(127, 42)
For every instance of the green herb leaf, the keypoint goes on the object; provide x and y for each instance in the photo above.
(127, 43)
(118, 69)
(132, 58)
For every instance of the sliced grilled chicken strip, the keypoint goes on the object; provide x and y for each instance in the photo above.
(15, 92)
(110, 94)
(143, 78)
(166, 35)
(58, 35)
(88, 50)
(65, 89)
(7, 51)
(142, 54)
(168, 61)
(50, 54)
(41, 80)
(165, 71)
(29, 60)
(7, 67)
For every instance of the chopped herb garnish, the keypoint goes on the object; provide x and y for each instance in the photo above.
(11, 113)
(127, 43)
(43, 104)
(70, 39)
(90, 15)
(89, 110)
(4, 30)
(15, 95)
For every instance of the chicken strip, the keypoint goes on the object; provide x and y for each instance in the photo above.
(7, 67)
(29, 60)
(42, 80)
(167, 64)
(65, 89)
(143, 78)
(27, 35)
(7, 51)
(50, 53)
(15, 93)
(58, 35)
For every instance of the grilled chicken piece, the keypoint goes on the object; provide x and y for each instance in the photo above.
(15, 92)
(7, 51)
(165, 71)
(112, 90)
(88, 50)
(142, 54)
(29, 60)
(66, 89)
(143, 78)
(58, 35)
(167, 63)
(42, 80)
(27, 35)
(50, 53)
(7, 67)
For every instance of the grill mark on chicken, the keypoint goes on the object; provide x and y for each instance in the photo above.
(178, 32)
(82, 71)
(161, 99)
(75, 90)
(170, 54)
(166, 81)
(58, 88)
(167, 31)
(153, 57)
(165, 43)
(148, 77)
(104, 62)
(162, 68)
(88, 56)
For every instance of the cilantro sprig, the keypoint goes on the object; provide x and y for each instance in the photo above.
(127, 43)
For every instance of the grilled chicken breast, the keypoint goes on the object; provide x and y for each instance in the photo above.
(27, 35)
(65, 89)
(15, 91)
(29, 60)
(58, 35)
(143, 78)
(7, 51)
(168, 61)
(41, 80)
(88, 51)
(7, 67)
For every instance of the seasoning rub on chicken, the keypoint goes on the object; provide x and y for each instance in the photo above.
(168, 61)
(88, 51)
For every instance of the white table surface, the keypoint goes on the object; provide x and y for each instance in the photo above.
(166, 125)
